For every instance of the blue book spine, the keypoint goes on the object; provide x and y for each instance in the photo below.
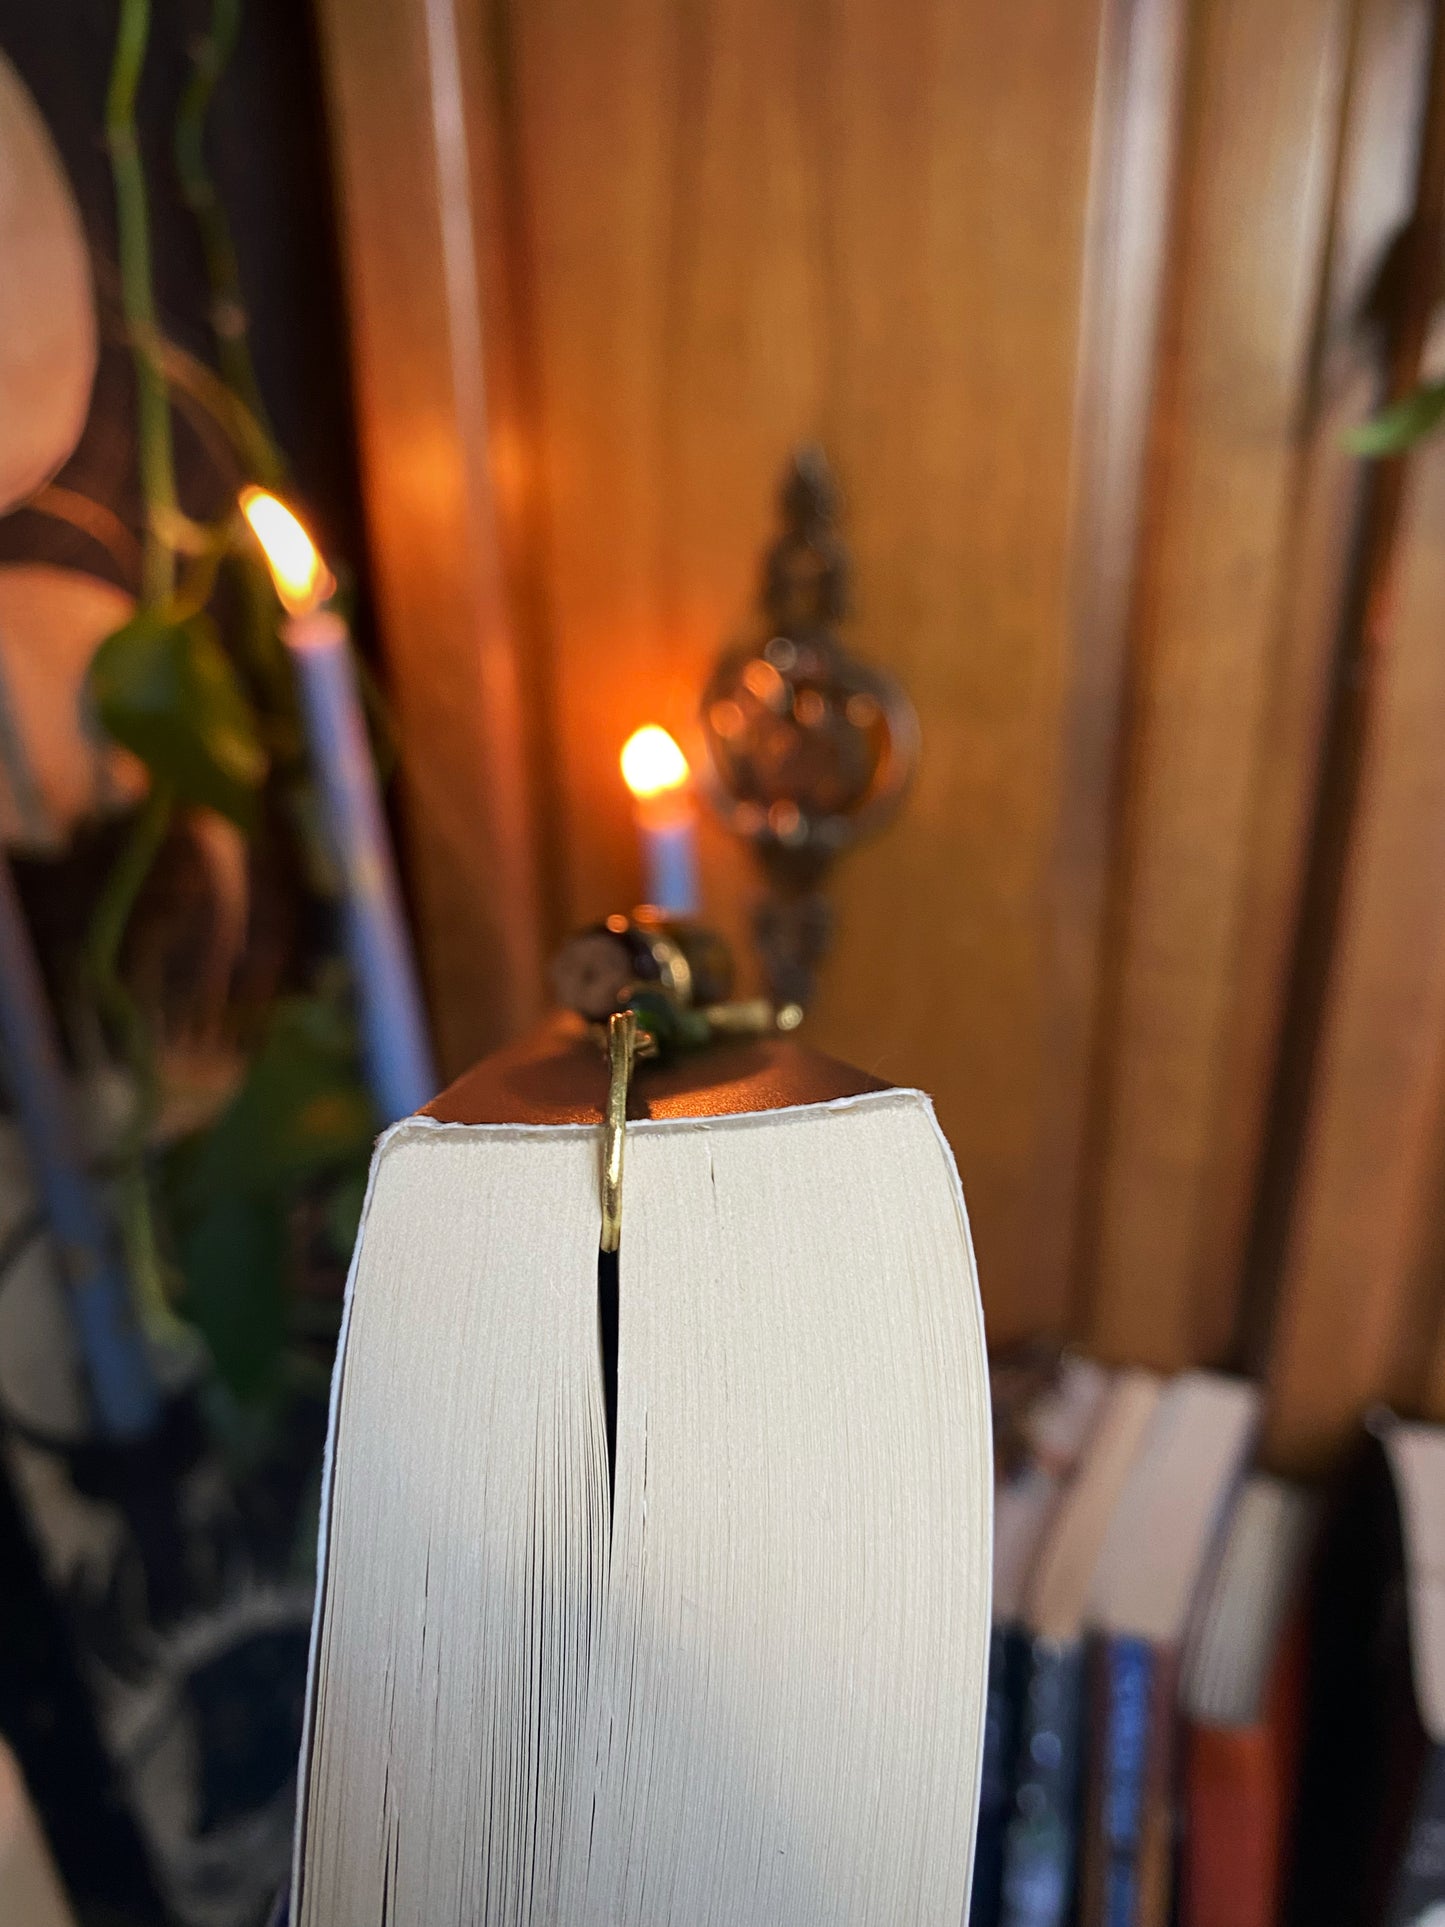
(1123, 1757)
(1041, 1839)
(1008, 1654)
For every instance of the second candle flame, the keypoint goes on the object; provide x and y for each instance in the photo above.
(652, 762)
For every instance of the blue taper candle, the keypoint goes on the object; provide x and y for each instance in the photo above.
(395, 1050)
(656, 772)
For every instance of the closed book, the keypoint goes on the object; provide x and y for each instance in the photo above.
(1150, 1568)
(1370, 1839)
(1041, 1840)
(1242, 1704)
(1238, 1790)
(1041, 1836)
(1130, 1823)
(1008, 1665)
(1050, 1434)
(657, 1590)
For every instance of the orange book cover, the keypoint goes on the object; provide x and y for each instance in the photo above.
(1240, 1785)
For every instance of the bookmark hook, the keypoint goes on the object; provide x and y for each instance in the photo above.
(621, 1052)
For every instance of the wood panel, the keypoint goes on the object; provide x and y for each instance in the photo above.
(1354, 1204)
(753, 224)
(1365, 1196)
(1373, 197)
(1079, 301)
(1127, 242)
(404, 98)
(1261, 122)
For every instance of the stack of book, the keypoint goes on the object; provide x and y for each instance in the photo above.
(1213, 1696)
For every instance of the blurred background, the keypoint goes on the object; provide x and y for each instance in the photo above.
(525, 306)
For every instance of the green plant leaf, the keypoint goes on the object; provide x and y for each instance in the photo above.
(1401, 425)
(302, 1113)
(343, 1210)
(234, 1258)
(166, 690)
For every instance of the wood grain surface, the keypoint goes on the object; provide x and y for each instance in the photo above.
(1079, 300)
(1261, 116)
(1352, 1196)
(405, 100)
(752, 225)
(1366, 1190)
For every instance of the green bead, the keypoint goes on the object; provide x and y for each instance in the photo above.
(670, 1028)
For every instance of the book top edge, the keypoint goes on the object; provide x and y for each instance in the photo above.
(889, 1096)
(557, 1075)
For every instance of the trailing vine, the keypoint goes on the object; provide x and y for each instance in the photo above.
(210, 56)
(153, 412)
(204, 1223)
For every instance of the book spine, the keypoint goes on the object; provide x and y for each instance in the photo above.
(1419, 1886)
(1240, 1787)
(1007, 1665)
(1041, 1839)
(1129, 1832)
(1229, 1876)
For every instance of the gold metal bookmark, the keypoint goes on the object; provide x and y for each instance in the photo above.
(662, 985)
(621, 1054)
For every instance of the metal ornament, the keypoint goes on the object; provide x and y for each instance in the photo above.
(597, 969)
(652, 988)
(811, 750)
(621, 1050)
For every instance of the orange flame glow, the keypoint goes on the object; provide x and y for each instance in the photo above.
(302, 579)
(652, 763)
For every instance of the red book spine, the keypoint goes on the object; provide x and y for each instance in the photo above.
(1232, 1837)
(1239, 1797)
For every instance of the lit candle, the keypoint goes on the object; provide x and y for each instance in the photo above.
(395, 1050)
(656, 772)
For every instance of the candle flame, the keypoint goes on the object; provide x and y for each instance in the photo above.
(652, 762)
(302, 579)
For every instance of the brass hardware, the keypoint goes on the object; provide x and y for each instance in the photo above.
(810, 748)
(621, 1049)
(753, 1017)
(635, 979)
(596, 969)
